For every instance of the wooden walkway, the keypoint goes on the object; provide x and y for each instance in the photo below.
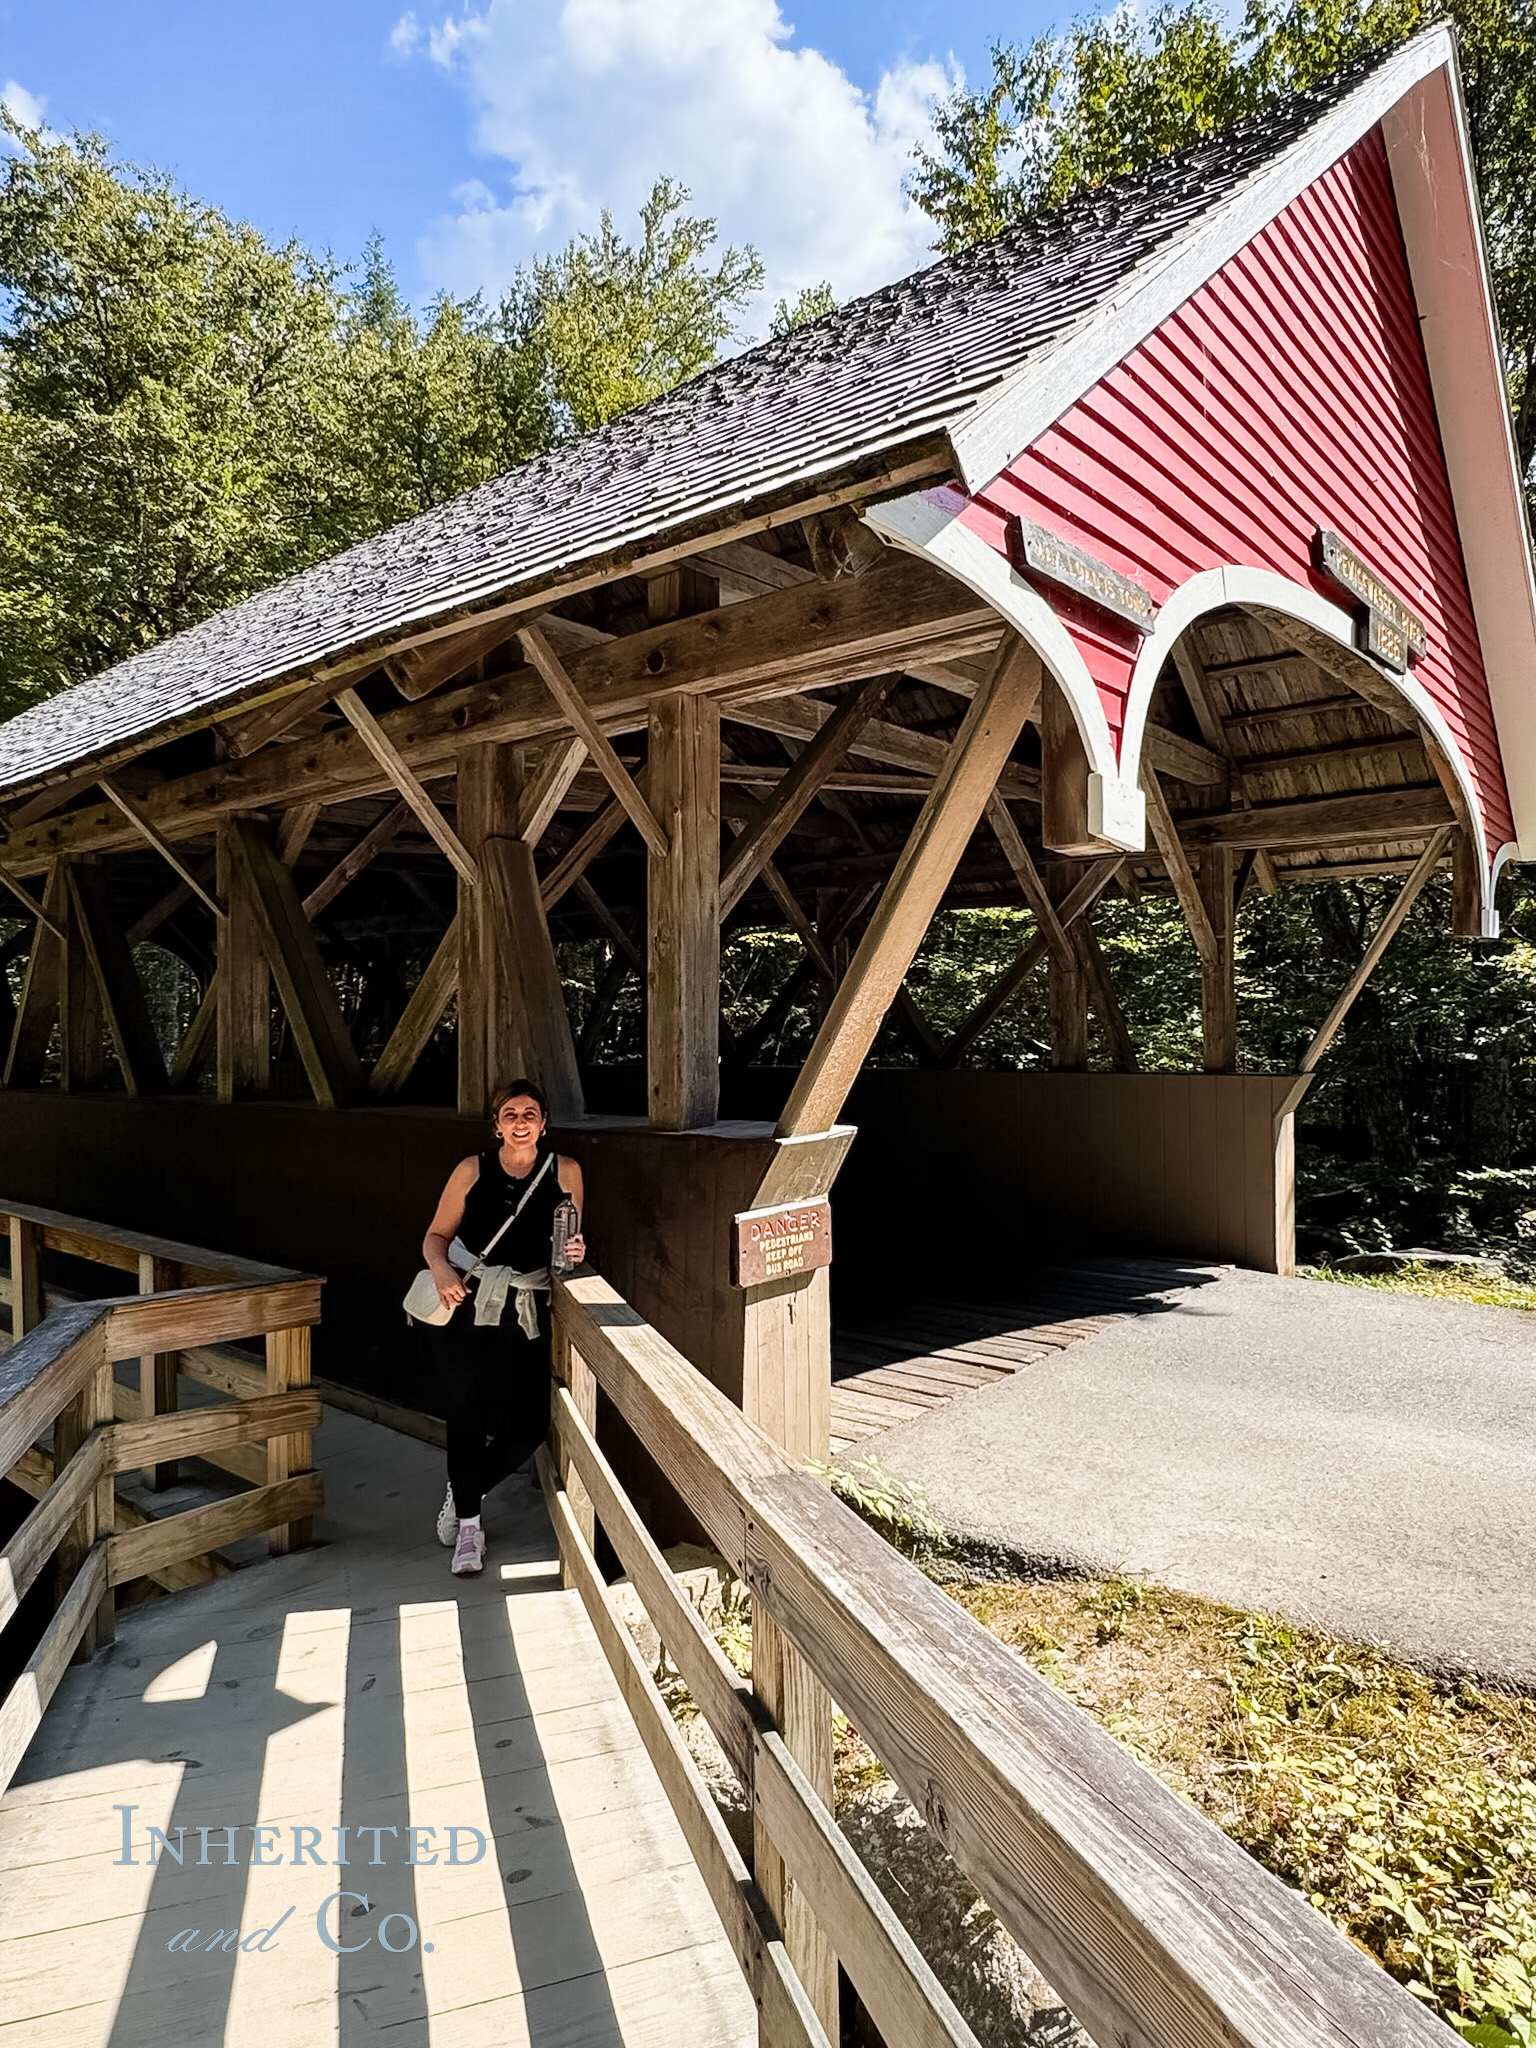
(359, 1685)
(896, 1363)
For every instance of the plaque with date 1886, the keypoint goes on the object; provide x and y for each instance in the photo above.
(772, 1244)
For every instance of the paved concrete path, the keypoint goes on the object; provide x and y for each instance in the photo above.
(1363, 1460)
(358, 1684)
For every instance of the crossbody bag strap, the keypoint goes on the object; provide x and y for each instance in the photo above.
(549, 1160)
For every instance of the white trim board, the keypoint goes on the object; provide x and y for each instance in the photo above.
(1431, 165)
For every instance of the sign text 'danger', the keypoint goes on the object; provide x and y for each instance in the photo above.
(771, 1244)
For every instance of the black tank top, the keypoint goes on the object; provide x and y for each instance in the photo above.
(493, 1198)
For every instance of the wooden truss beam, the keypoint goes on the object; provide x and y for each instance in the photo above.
(247, 732)
(1166, 837)
(802, 718)
(579, 856)
(293, 830)
(804, 638)
(1103, 999)
(395, 766)
(571, 702)
(417, 671)
(797, 791)
(23, 896)
(303, 986)
(351, 865)
(1080, 899)
(147, 831)
(927, 459)
(546, 789)
(121, 992)
(992, 724)
(195, 1039)
(1205, 701)
(419, 1019)
(38, 1010)
(1362, 818)
(1384, 934)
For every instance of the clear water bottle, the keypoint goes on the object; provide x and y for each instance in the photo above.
(564, 1229)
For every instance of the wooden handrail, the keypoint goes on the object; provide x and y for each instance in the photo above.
(58, 1371)
(1153, 1925)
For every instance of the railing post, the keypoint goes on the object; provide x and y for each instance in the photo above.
(159, 1372)
(26, 1278)
(90, 1409)
(788, 1381)
(287, 1368)
(571, 1371)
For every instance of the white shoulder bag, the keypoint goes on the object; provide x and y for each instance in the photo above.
(423, 1303)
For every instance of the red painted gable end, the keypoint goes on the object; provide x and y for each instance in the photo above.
(1290, 392)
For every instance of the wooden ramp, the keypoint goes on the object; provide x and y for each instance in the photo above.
(895, 1362)
(359, 1685)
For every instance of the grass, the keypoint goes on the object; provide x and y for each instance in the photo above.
(1440, 1282)
(1404, 1809)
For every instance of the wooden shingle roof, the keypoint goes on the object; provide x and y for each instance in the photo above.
(847, 398)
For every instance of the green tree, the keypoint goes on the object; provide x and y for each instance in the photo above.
(158, 366)
(1109, 96)
(427, 408)
(812, 304)
(187, 414)
(623, 322)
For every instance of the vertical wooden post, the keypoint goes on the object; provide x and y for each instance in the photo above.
(1218, 982)
(26, 1276)
(572, 1372)
(159, 1372)
(683, 909)
(1066, 984)
(243, 987)
(287, 1368)
(787, 1389)
(1466, 884)
(82, 1027)
(489, 1048)
(512, 1014)
(90, 1409)
(802, 1710)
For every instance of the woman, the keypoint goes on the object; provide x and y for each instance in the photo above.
(493, 1353)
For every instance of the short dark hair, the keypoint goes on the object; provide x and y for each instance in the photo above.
(522, 1086)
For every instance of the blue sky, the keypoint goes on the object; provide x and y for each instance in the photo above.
(473, 136)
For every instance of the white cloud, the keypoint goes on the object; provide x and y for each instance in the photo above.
(21, 105)
(405, 37)
(589, 101)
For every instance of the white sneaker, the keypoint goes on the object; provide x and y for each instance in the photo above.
(469, 1551)
(447, 1522)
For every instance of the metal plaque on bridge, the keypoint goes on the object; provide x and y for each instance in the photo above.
(772, 1244)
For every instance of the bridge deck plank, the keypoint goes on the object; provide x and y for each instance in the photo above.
(359, 1683)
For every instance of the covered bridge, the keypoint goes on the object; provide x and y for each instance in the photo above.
(1173, 541)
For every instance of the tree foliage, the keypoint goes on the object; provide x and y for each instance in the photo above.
(623, 322)
(188, 414)
(1109, 96)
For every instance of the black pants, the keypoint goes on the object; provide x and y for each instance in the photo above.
(493, 1387)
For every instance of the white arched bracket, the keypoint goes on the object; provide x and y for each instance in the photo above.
(1116, 807)
(1264, 590)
